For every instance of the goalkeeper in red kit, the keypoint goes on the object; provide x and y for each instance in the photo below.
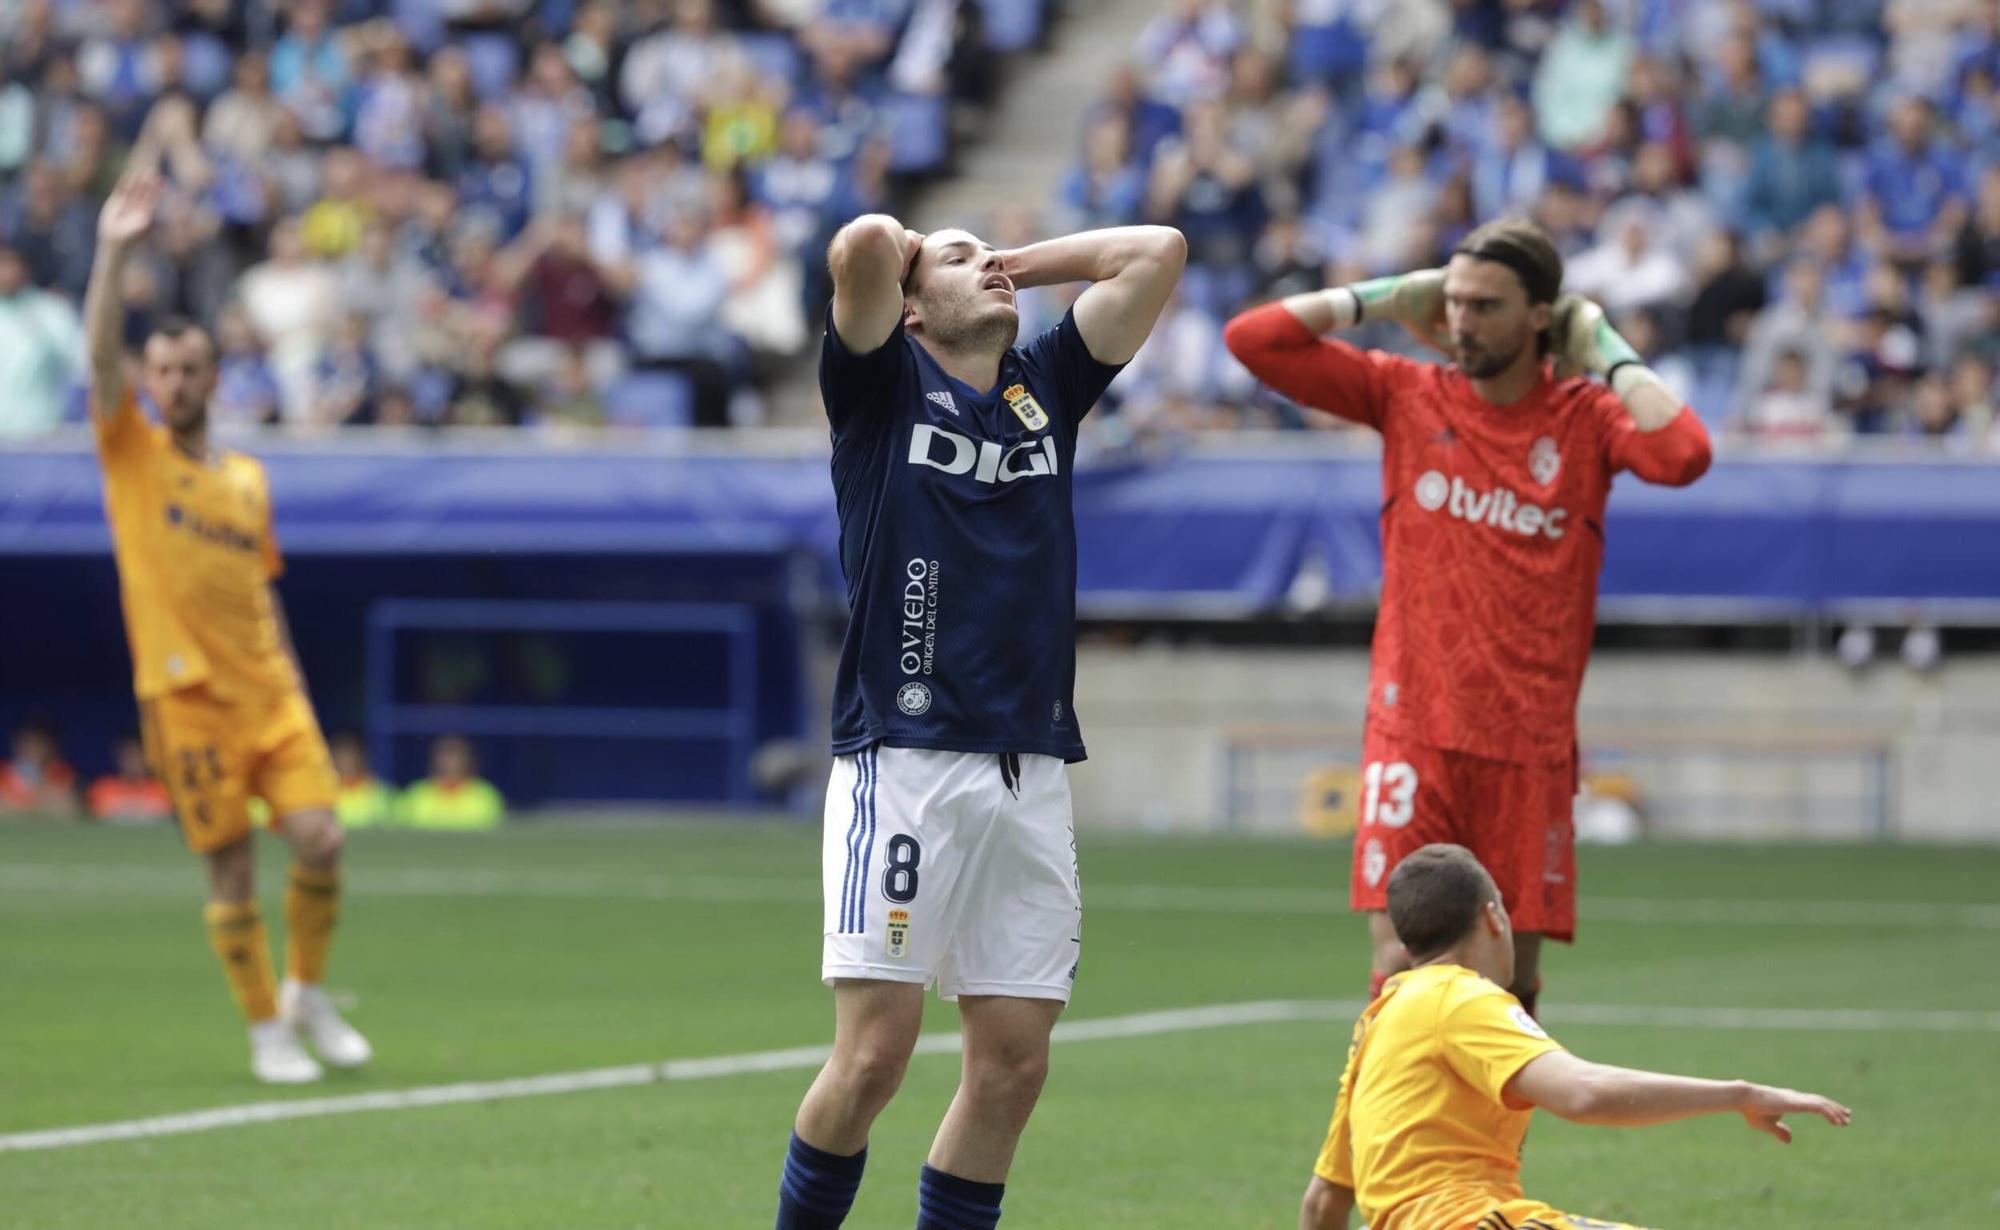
(1495, 472)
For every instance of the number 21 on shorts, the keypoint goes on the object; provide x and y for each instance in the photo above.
(1388, 793)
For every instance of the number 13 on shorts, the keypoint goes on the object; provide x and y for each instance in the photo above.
(1388, 793)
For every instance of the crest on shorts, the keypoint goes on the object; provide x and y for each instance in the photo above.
(1025, 407)
(1374, 862)
(899, 934)
(1544, 462)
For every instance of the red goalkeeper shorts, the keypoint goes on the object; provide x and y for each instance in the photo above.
(1515, 817)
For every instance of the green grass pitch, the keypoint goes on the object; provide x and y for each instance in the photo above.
(549, 948)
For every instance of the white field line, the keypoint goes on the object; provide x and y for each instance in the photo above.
(1138, 1025)
(1166, 899)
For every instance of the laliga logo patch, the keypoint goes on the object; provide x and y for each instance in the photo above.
(1025, 407)
(1544, 462)
(913, 698)
(1529, 1025)
(899, 933)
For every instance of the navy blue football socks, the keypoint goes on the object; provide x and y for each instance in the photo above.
(947, 1202)
(818, 1187)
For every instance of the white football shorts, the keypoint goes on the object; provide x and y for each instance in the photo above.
(952, 869)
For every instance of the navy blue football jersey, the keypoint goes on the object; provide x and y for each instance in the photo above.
(958, 543)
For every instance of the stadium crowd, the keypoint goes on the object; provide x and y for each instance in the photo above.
(1792, 206)
(463, 211)
(567, 212)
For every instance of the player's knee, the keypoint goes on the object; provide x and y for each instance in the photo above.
(1012, 1073)
(870, 1073)
(317, 840)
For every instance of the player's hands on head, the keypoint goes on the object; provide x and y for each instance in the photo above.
(1413, 300)
(913, 243)
(1582, 339)
(128, 211)
(1764, 1108)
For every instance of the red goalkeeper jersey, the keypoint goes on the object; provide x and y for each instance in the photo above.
(1492, 532)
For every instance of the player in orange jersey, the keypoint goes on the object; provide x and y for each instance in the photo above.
(1446, 1069)
(223, 706)
(1495, 472)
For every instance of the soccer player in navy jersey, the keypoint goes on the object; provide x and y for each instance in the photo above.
(950, 858)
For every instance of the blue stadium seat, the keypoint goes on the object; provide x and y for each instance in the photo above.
(773, 54)
(494, 61)
(650, 399)
(918, 131)
(1013, 25)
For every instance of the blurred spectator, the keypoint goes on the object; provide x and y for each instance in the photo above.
(1973, 394)
(42, 360)
(664, 71)
(1188, 48)
(292, 301)
(1513, 166)
(450, 104)
(246, 393)
(1788, 407)
(1978, 244)
(332, 226)
(1104, 187)
(567, 306)
(1955, 318)
(454, 796)
(389, 104)
(311, 71)
(495, 183)
(35, 778)
(764, 285)
(677, 291)
(344, 376)
(243, 123)
(1792, 173)
(1631, 268)
(387, 287)
(1580, 76)
(120, 66)
(1207, 190)
(51, 229)
(1915, 202)
(362, 800)
(1798, 324)
(130, 794)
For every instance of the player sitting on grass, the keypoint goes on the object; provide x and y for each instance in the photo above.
(1446, 1068)
(222, 703)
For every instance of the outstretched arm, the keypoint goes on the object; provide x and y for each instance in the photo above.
(1132, 271)
(127, 214)
(869, 258)
(1595, 1093)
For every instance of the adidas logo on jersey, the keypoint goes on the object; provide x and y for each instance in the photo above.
(942, 398)
(983, 459)
(1499, 507)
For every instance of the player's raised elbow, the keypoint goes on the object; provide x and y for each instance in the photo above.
(1259, 332)
(1677, 454)
(1166, 247)
(870, 240)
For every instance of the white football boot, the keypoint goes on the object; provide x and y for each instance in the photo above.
(313, 1017)
(277, 1058)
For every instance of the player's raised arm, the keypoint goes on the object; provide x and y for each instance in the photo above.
(1595, 1093)
(1132, 271)
(127, 214)
(1664, 441)
(1283, 343)
(869, 258)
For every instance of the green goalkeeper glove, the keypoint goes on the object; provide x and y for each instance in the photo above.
(1583, 340)
(1413, 300)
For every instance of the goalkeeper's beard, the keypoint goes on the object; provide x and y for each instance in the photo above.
(1482, 364)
